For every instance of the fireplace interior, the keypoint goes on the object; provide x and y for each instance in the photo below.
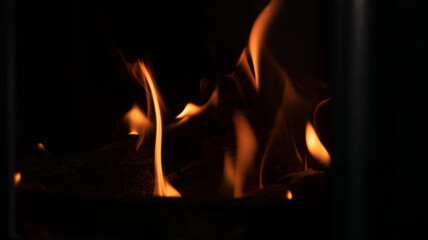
(214, 119)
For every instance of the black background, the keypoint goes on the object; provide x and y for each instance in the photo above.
(71, 89)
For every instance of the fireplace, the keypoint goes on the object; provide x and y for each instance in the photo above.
(211, 119)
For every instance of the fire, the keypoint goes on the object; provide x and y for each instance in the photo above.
(16, 178)
(137, 120)
(315, 147)
(192, 109)
(287, 102)
(243, 75)
(229, 170)
(257, 37)
(41, 147)
(162, 186)
(289, 195)
(245, 153)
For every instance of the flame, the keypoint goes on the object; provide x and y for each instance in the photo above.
(162, 186)
(192, 109)
(16, 178)
(41, 147)
(243, 75)
(137, 120)
(170, 191)
(258, 35)
(315, 147)
(245, 153)
(229, 170)
(289, 195)
(245, 65)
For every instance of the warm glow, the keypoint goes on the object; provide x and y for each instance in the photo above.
(192, 109)
(315, 147)
(17, 178)
(162, 187)
(246, 150)
(289, 195)
(136, 120)
(41, 147)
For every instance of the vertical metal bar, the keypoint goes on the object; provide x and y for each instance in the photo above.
(351, 67)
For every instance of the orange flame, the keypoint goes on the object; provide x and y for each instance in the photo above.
(315, 147)
(41, 147)
(137, 121)
(244, 64)
(246, 150)
(192, 109)
(257, 37)
(16, 178)
(162, 186)
(289, 195)
(229, 170)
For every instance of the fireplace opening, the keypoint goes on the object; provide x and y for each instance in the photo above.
(204, 119)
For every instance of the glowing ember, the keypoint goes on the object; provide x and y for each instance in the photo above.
(289, 195)
(315, 147)
(17, 178)
(137, 121)
(162, 187)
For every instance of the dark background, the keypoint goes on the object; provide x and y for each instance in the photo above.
(71, 83)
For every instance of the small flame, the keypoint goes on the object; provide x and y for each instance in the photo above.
(315, 147)
(289, 195)
(41, 148)
(16, 178)
(192, 109)
(246, 150)
(137, 121)
(162, 187)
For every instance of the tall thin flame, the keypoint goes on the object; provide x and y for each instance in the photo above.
(235, 176)
(257, 37)
(315, 147)
(162, 187)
